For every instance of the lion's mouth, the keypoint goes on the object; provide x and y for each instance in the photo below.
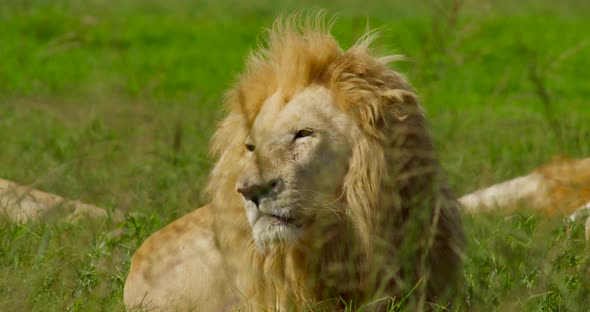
(282, 220)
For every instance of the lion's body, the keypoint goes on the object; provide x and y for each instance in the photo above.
(349, 202)
(557, 188)
(23, 204)
(179, 265)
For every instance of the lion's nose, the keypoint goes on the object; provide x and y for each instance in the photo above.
(256, 191)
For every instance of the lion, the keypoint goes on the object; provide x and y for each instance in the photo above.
(326, 192)
(559, 187)
(21, 204)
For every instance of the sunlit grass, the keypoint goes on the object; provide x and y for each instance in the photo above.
(114, 103)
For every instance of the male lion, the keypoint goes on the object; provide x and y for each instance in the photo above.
(326, 192)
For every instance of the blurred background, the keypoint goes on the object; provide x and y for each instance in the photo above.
(113, 102)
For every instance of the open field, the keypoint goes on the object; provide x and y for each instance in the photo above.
(113, 103)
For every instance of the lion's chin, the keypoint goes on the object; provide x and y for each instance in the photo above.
(272, 230)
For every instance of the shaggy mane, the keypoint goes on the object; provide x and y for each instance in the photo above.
(392, 160)
(299, 52)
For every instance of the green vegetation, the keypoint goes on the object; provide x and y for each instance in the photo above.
(113, 102)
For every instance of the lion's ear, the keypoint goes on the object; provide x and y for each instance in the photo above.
(386, 107)
(400, 104)
(370, 89)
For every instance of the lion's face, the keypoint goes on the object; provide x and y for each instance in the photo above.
(293, 166)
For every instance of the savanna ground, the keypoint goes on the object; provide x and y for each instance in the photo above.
(113, 102)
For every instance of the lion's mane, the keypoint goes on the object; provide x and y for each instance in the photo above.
(403, 223)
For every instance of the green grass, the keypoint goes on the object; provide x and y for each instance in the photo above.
(114, 103)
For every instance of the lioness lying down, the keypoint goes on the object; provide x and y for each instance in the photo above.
(560, 187)
(326, 192)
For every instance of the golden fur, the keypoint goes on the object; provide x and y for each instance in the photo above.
(556, 188)
(398, 229)
(567, 185)
(22, 204)
(392, 139)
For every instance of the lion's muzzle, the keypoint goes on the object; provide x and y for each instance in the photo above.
(255, 192)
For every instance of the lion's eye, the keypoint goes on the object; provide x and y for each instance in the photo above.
(250, 147)
(303, 133)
